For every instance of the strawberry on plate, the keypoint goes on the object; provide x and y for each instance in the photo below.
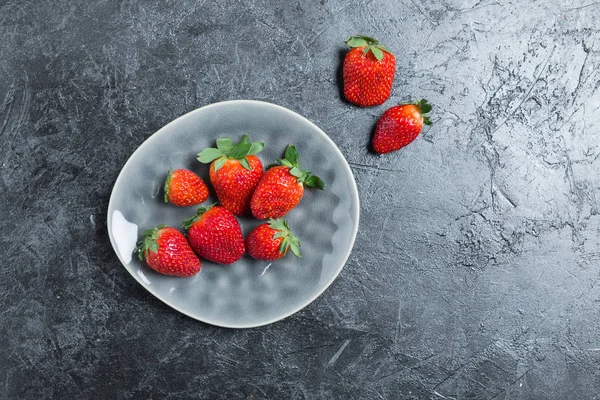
(400, 125)
(369, 69)
(281, 187)
(185, 188)
(272, 241)
(167, 251)
(234, 171)
(215, 234)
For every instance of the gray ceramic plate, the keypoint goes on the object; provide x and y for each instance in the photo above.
(248, 293)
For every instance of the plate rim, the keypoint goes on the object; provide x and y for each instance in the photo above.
(302, 305)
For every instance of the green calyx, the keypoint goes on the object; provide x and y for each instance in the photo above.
(190, 221)
(369, 44)
(292, 160)
(424, 108)
(167, 183)
(148, 243)
(290, 242)
(226, 150)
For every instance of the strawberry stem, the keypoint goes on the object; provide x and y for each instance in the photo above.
(370, 44)
(292, 161)
(167, 183)
(226, 150)
(424, 108)
(190, 221)
(290, 242)
(148, 242)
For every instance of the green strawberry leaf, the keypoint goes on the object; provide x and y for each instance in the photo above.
(295, 249)
(189, 222)
(209, 155)
(241, 149)
(314, 181)
(384, 48)
(425, 107)
(278, 224)
(255, 148)
(220, 162)
(284, 246)
(369, 39)
(148, 232)
(296, 172)
(369, 44)
(148, 243)
(227, 150)
(291, 161)
(245, 163)
(356, 41)
(224, 144)
(361, 40)
(377, 52)
(291, 154)
(283, 231)
(166, 186)
(201, 210)
(285, 163)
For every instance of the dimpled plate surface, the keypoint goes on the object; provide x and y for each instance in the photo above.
(248, 293)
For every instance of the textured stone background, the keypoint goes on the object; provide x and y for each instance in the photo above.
(475, 271)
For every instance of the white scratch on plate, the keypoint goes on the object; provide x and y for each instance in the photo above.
(337, 355)
(265, 270)
(155, 190)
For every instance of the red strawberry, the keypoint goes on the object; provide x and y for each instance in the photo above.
(234, 172)
(369, 69)
(272, 241)
(281, 188)
(215, 234)
(400, 125)
(167, 252)
(185, 188)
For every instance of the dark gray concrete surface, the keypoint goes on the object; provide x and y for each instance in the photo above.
(475, 273)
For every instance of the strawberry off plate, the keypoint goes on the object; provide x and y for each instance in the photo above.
(248, 293)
